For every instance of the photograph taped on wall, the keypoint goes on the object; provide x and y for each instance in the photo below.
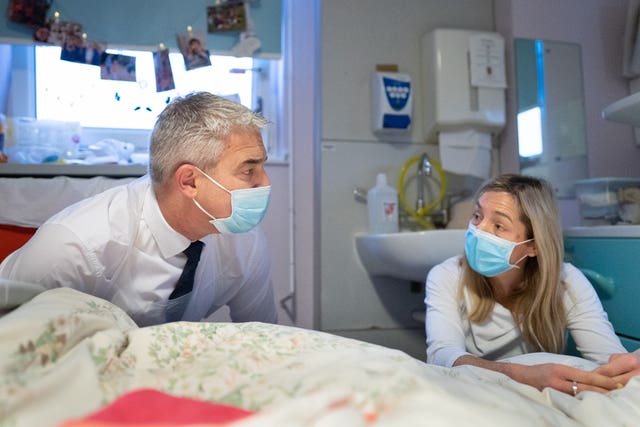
(73, 49)
(29, 12)
(193, 46)
(76, 49)
(118, 67)
(164, 75)
(56, 32)
(229, 16)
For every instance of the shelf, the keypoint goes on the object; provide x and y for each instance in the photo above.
(625, 110)
(626, 231)
(15, 170)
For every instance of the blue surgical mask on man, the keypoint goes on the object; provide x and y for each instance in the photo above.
(489, 254)
(248, 206)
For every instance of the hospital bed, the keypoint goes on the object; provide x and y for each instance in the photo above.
(65, 355)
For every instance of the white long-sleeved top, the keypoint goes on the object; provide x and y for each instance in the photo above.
(118, 246)
(451, 335)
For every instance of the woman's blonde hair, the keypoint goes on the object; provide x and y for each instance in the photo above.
(538, 310)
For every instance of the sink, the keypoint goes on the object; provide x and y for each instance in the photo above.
(408, 255)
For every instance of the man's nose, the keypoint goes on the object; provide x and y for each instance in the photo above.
(264, 180)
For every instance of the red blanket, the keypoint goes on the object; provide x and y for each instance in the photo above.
(152, 408)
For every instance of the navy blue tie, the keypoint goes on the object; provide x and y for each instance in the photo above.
(185, 282)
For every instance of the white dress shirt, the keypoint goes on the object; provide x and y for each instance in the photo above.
(451, 335)
(118, 246)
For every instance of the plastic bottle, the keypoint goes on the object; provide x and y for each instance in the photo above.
(382, 206)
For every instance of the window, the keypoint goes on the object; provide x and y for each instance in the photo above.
(67, 89)
(59, 90)
(530, 133)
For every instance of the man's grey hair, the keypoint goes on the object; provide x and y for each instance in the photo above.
(193, 129)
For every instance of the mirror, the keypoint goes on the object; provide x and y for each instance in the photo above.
(550, 113)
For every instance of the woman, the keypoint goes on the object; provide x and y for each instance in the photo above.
(512, 294)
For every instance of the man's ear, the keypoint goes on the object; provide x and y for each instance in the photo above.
(185, 178)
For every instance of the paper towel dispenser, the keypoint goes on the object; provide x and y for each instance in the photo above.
(464, 81)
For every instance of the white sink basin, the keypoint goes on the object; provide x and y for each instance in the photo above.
(407, 255)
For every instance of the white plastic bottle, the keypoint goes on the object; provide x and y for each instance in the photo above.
(382, 206)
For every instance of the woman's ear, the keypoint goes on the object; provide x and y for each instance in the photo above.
(532, 249)
(186, 180)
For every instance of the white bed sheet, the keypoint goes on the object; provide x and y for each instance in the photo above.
(64, 354)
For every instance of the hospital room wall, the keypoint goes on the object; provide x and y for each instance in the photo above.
(362, 33)
(275, 226)
(357, 35)
(291, 222)
(598, 27)
(333, 292)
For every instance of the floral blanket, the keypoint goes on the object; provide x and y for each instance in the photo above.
(65, 355)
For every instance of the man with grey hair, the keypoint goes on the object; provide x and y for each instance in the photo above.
(180, 242)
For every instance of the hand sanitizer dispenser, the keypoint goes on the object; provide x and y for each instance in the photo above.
(392, 102)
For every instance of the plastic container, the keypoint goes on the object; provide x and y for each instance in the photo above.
(609, 199)
(382, 207)
(44, 141)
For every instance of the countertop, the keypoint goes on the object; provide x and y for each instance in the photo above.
(16, 170)
(613, 231)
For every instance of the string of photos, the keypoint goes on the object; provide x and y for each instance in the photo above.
(50, 29)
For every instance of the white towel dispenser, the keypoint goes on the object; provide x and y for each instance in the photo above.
(464, 82)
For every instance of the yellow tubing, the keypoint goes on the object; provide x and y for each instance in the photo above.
(420, 216)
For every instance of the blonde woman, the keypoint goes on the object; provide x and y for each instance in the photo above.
(512, 294)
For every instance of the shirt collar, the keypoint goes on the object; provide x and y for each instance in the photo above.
(170, 242)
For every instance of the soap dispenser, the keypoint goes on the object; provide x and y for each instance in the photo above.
(382, 206)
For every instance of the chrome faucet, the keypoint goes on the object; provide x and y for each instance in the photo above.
(424, 170)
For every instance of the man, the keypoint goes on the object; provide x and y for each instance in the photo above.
(206, 183)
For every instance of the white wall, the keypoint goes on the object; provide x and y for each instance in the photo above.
(5, 73)
(598, 27)
(357, 35)
(304, 97)
(292, 221)
(275, 225)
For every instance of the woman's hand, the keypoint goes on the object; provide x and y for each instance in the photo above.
(621, 368)
(554, 375)
(562, 378)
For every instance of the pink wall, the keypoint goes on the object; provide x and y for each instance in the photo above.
(598, 27)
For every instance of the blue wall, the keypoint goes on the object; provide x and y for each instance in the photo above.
(147, 23)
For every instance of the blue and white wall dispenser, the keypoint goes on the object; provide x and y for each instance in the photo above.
(392, 102)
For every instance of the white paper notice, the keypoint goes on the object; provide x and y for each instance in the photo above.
(486, 54)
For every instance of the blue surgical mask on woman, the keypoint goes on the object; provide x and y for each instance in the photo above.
(248, 206)
(489, 254)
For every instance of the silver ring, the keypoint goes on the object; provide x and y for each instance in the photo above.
(574, 387)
